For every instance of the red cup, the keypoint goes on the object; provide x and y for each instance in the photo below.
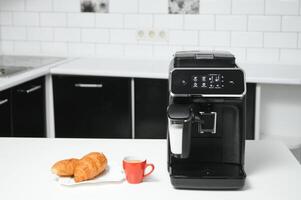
(134, 168)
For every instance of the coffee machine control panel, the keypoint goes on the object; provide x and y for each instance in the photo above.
(207, 82)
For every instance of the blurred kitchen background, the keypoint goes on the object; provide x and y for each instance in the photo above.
(255, 31)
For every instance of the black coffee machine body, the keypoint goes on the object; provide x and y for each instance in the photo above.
(206, 121)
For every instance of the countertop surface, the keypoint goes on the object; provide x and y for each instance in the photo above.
(138, 68)
(272, 171)
(35, 67)
(135, 68)
(143, 68)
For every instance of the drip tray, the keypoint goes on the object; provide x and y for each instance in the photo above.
(208, 176)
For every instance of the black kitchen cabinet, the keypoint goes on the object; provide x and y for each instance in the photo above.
(250, 103)
(5, 113)
(151, 100)
(28, 109)
(92, 107)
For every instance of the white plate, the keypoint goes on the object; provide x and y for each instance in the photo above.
(112, 174)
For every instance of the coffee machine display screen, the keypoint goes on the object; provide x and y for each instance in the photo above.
(210, 81)
(207, 82)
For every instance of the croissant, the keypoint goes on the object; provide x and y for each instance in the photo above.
(90, 166)
(65, 167)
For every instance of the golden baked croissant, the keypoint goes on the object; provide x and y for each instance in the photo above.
(65, 167)
(90, 166)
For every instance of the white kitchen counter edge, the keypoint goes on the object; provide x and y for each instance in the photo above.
(11, 81)
(159, 69)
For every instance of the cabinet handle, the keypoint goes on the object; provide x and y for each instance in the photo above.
(3, 101)
(31, 89)
(85, 85)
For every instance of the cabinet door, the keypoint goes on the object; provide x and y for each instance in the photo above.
(28, 109)
(92, 107)
(151, 99)
(5, 114)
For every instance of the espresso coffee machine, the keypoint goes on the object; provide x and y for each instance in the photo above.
(206, 121)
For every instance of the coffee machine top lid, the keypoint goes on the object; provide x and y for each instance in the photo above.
(208, 59)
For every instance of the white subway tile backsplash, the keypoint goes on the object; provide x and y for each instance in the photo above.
(13, 33)
(290, 55)
(54, 48)
(109, 20)
(214, 38)
(165, 51)
(27, 47)
(264, 23)
(121, 6)
(12, 5)
(81, 49)
(183, 37)
(67, 34)
(95, 35)
(168, 21)
(231, 22)
(200, 22)
(248, 6)
(66, 5)
(38, 5)
(251, 29)
(39, 34)
(138, 51)
(26, 19)
(291, 23)
(215, 6)
(121, 36)
(238, 52)
(196, 47)
(280, 40)
(109, 50)
(53, 19)
(81, 19)
(7, 47)
(153, 6)
(262, 55)
(138, 21)
(6, 18)
(281, 7)
(246, 39)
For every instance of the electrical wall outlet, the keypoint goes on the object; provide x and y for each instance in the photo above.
(152, 35)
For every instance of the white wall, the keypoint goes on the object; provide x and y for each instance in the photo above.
(254, 30)
(281, 110)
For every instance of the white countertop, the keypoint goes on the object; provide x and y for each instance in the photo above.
(272, 171)
(147, 68)
(115, 67)
(39, 68)
(255, 72)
